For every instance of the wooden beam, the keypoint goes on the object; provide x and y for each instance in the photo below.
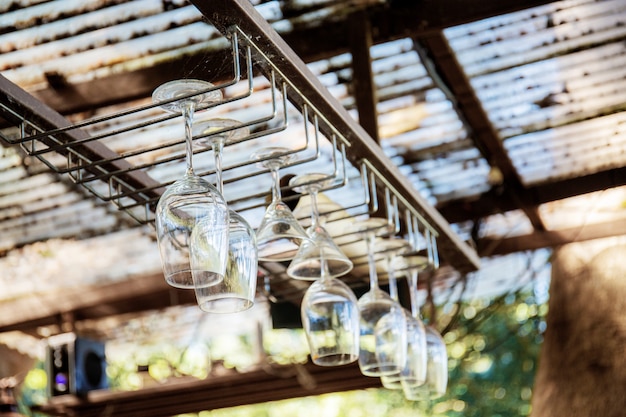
(363, 87)
(550, 238)
(493, 202)
(436, 52)
(269, 383)
(133, 295)
(123, 87)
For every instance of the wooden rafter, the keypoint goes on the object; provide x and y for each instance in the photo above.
(449, 70)
(493, 202)
(233, 389)
(363, 86)
(550, 238)
(129, 296)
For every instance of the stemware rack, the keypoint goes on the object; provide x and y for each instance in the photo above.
(96, 154)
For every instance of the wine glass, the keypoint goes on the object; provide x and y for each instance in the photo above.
(279, 235)
(236, 291)
(330, 318)
(382, 342)
(320, 251)
(418, 385)
(416, 360)
(436, 370)
(190, 199)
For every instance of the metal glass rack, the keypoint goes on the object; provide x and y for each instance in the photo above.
(295, 111)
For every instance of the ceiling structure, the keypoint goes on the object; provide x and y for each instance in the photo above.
(508, 118)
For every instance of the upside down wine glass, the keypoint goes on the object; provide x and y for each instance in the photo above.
(279, 235)
(319, 253)
(436, 370)
(190, 199)
(329, 310)
(236, 291)
(330, 317)
(435, 384)
(416, 334)
(382, 341)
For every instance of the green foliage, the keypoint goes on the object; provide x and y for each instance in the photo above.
(493, 357)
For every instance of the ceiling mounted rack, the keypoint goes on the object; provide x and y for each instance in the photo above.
(297, 111)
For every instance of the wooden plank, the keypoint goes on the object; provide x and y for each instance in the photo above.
(186, 395)
(493, 202)
(133, 295)
(481, 131)
(551, 238)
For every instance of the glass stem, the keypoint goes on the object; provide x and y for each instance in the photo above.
(415, 311)
(218, 147)
(324, 268)
(315, 214)
(431, 301)
(315, 219)
(187, 111)
(371, 261)
(393, 285)
(275, 184)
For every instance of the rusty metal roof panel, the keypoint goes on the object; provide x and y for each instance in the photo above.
(571, 150)
(553, 82)
(100, 38)
(37, 205)
(420, 125)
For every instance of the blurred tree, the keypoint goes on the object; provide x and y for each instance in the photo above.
(583, 360)
(493, 354)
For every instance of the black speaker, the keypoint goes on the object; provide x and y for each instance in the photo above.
(75, 365)
(285, 315)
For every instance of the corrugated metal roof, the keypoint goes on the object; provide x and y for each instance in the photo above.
(553, 83)
(35, 206)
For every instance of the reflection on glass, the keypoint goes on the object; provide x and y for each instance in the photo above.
(416, 334)
(436, 371)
